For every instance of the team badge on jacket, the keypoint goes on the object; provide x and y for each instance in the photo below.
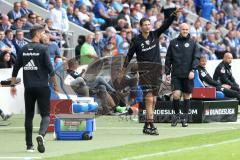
(186, 45)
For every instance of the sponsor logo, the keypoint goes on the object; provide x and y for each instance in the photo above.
(30, 54)
(227, 111)
(186, 45)
(169, 111)
(149, 48)
(147, 42)
(30, 66)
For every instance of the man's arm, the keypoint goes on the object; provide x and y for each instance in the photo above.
(223, 77)
(166, 23)
(168, 59)
(196, 56)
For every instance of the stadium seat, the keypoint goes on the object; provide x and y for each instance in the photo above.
(200, 91)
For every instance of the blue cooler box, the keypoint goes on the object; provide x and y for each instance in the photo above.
(74, 128)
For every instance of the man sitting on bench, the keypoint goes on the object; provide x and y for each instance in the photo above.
(208, 81)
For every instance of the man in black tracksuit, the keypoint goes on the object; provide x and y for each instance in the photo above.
(182, 57)
(146, 47)
(223, 73)
(208, 81)
(34, 58)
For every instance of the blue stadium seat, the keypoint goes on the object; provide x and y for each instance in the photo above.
(199, 84)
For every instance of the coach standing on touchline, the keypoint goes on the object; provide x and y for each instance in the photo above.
(146, 47)
(181, 60)
(34, 58)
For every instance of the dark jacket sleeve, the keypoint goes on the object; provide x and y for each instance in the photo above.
(18, 64)
(131, 51)
(225, 80)
(48, 63)
(165, 25)
(196, 56)
(168, 60)
(208, 79)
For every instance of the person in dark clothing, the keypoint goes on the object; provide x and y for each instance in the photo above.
(34, 58)
(208, 81)
(182, 57)
(146, 47)
(98, 86)
(6, 60)
(81, 40)
(223, 73)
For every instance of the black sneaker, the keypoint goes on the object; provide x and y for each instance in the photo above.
(40, 142)
(6, 116)
(146, 130)
(175, 120)
(154, 131)
(30, 149)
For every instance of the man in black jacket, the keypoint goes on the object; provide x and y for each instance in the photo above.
(146, 47)
(182, 57)
(208, 81)
(34, 58)
(223, 73)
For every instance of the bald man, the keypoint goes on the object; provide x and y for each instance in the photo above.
(181, 59)
(223, 73)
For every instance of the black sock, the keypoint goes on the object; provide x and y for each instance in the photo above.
(186, 105)
(151, 125)
(146, 124)
(176, 106)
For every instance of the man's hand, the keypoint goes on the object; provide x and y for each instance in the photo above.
(191, 75)
(13, 91)
(226, 86)
(56, 88)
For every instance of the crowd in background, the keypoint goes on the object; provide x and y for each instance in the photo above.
(115, 22)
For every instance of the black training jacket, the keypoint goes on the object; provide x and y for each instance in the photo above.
(147, 50)
(182, 57)
(34, 58)
(223, 74)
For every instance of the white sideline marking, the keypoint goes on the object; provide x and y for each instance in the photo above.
(21, 158)
(134, 128)
(159, 154)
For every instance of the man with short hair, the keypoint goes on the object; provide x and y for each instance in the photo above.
(146, 47)
(181, 60)
(223, 73)
(34, 58)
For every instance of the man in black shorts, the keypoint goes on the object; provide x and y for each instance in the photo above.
(181, 59)
(146, 47)
(34, 58)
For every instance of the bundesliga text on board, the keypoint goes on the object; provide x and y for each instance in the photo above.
(226, 111)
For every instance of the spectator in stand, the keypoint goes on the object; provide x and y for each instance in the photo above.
(196, 30)
(227, 6)
(207, 10)
(5, 60)
(81, 40)
(25, 23)
(18, 41)
(168, 8)
(40, 20)
(24, 8)
(15, 13)
(41, 3)
(198, 6)
(125, 13)
(139, 14)
(98, 43)
(3, 46)
(88, 53)
(123, 44)
(59, 17)
(32, 19)
(17, 24)
(83, 14)
(72, 17)
(8, 41)
(52, 47)
(206, 30)
(232, 43)
(4, 23)
(122, 24)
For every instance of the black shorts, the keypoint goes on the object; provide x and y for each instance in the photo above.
(150, 77)
(183, 84)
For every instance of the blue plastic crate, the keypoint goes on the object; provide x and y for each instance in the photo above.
(74, 128)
